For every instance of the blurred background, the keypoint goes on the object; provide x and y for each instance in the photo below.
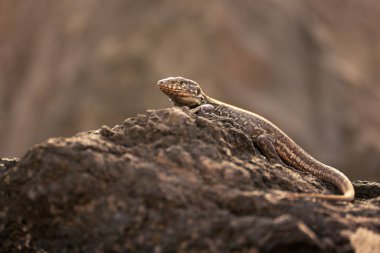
(311, 67)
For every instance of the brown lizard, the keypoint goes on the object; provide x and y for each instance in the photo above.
(273, 143)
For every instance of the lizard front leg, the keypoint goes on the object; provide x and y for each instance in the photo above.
(265, 144)
(203, 109)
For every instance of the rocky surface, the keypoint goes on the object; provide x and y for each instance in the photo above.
(171, 181)
(310, 66)
(7, 163)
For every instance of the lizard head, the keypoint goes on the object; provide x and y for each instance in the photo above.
(182, 91)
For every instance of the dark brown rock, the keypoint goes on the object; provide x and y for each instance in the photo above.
(7, 163)
(170, 181)
(311, 67)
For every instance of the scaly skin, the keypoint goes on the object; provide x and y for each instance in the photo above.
(272, 142)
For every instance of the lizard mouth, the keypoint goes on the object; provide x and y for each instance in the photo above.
(179, 97)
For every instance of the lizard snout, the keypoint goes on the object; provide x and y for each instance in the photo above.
(160, 82)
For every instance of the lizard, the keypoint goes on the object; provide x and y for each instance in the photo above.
(272, 142)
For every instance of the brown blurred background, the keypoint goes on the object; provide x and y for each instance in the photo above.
(312, 67)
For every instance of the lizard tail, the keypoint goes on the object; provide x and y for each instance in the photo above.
(298, 158)
(348, 196)
(335, 177)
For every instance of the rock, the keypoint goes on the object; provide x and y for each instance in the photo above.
(171, 181)
(311, 67)
(7, 163)
(365, 189)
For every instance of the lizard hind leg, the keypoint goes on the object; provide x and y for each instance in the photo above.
(265, 144)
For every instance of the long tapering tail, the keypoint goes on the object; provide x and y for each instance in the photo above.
(297, 157)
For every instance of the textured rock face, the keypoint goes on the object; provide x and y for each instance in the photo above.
(309, 66)
(7, 163)
(167, 181)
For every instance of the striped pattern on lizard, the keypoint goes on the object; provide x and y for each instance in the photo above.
(273, 143)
